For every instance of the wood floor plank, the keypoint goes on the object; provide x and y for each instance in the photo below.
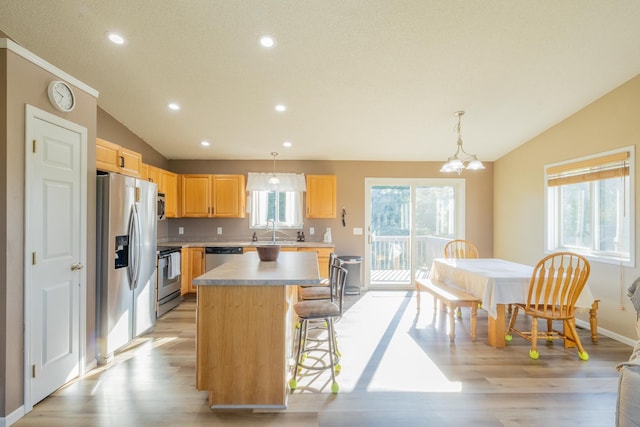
(398, 368)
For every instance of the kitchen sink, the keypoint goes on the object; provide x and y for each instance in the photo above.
(277, 242)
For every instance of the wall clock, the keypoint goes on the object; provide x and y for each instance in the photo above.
(61, 96)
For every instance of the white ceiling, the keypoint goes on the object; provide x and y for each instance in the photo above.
(363, 79)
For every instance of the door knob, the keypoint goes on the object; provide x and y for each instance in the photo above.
(75, 267)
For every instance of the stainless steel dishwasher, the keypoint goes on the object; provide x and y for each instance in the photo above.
(215, 256)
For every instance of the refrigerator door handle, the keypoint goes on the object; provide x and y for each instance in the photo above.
(137, 245)
(133, 269)
(132, 256)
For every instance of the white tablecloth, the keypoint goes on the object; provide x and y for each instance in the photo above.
(494, 281)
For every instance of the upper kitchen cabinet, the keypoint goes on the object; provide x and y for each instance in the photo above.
(168, 184)
(228, 195)
(321, 196)
(212, 196)
(195, 197)
(111, 157)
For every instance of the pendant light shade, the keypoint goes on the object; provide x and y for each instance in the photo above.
(274, 181)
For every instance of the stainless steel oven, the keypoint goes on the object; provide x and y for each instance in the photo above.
(168, 279)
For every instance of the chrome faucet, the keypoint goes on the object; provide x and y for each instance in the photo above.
(273, 232)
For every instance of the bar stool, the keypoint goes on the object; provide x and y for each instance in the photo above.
(324, 309)
(322, 291)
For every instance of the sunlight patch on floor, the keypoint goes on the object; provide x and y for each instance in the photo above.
(398, 365)
(406, 367)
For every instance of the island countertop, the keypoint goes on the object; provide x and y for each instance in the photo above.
(291, 268)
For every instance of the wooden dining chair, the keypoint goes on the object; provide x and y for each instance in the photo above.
(460, 249)
(556, 283)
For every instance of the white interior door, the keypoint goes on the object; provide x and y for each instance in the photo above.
(55, 275)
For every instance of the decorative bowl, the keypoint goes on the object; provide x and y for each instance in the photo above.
(268, 252)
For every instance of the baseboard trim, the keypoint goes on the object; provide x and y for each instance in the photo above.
(12, 417)
(614, 336)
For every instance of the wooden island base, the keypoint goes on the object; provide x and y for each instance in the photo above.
(245, 324)
(243, 343)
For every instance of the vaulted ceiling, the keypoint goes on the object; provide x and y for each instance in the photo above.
(361, 79)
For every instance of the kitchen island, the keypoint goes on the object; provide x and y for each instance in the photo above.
(244, 328)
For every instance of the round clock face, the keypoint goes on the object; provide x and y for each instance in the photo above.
(61, 96)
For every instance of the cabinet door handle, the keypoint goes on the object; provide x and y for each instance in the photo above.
(121, 161)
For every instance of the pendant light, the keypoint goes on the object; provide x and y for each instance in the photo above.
(274, 180)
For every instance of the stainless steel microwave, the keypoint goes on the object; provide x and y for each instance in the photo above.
(161, 205)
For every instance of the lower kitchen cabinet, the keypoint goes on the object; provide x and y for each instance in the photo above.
(323, 259)
(192, 266)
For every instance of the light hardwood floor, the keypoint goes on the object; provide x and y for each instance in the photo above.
(398, 368)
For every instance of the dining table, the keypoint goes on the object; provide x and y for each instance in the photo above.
(499, 283)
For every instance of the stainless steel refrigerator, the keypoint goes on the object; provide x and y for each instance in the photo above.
(126, 261)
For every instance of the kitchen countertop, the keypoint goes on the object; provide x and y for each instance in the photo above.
(246, 243)
(291, 268)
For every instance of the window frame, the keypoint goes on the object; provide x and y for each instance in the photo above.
(592, 169)
(253, 196)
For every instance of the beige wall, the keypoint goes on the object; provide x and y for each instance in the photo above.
(608, 123)
(351, 197)
(114, 131)
(27, 83)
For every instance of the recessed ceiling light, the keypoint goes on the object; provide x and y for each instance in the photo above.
(205, 143)
(281, 108)
(287, 144)
(267, 41)
(173, 106)
(116, 38)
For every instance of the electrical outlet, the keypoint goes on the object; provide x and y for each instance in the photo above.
(312, 231)
(180, 230)
(219, 230)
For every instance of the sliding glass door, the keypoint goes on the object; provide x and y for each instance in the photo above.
(408, 223)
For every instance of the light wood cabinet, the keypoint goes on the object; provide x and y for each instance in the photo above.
(185, 269)
(194, 196)
(228, 196)
(191, 266)
(212, 196)
(111, 157)
(167, 183)
(144, 172)
(154, 174)
(323, 259)
(321, 196)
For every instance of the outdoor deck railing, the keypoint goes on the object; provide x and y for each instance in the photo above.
(393, 253)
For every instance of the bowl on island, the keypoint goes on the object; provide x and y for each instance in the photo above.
(268, 252)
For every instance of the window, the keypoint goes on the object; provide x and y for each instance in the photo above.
(590, 207)
(281, 203)
(285, 207)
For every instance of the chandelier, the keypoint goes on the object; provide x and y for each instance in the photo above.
(461, 159)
